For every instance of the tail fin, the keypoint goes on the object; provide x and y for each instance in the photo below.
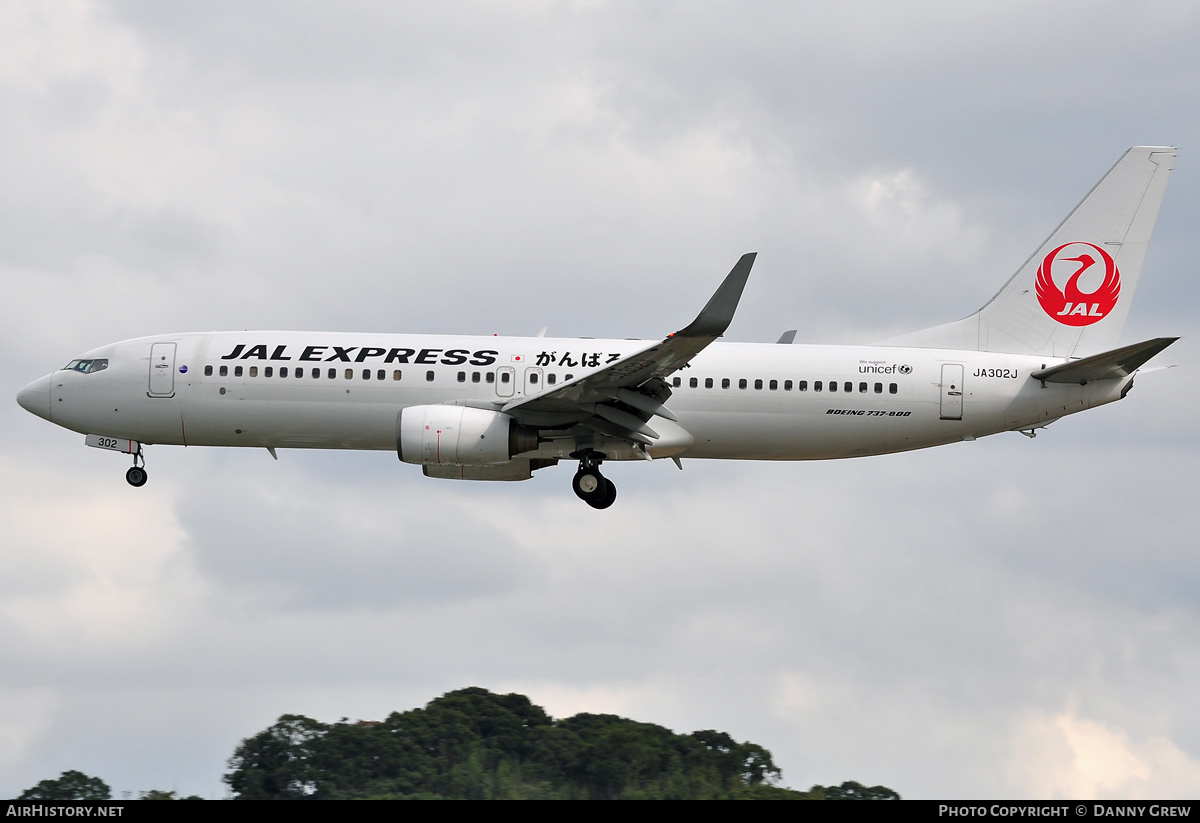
(1071, 298)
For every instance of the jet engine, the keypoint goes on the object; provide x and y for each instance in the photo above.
(460, 435)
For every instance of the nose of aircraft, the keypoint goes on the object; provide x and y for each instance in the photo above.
(36, 397)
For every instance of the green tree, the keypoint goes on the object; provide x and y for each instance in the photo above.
(159, 794)
(277, 763)
(473, 744)
(738, 763)
(764, 792)
(852, 790)
(71, 785)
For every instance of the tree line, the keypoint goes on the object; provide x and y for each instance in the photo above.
(472, 744)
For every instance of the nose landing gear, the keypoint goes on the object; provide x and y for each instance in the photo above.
(590, 485)
(136, 476)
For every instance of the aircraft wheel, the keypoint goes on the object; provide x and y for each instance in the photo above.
(136, 476)
(589, 484)
(609, 497)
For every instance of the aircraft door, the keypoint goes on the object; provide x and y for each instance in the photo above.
(533, 380)
(952, 391)
(506, 379)
(162, 370)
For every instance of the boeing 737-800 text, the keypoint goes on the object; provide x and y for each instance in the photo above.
(500, 408)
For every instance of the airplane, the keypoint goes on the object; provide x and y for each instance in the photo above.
(500, 408)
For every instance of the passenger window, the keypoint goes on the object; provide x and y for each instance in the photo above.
(724, 382)
(237, 371)
(533, 379)
(879, 388)
(758, 384)
(504, 376)
(802, 385)
(349, 374)
(676, 382)
(224, 371)
(254, 371)
(892, 388)
(475, 377)
(299, 371)
(208, 371)
(316, 373)
(787, 385)
(816, 385)
(268, 371)
(693, 383)
(568, 377)
(380, 375)
(862, 387)
(429, 376)
(773, 385)
(742, 383)
(283, 371)
(833, 385)
(462, 377)
(396, 374)
(491, 377)
(848, 386)
(366, 374)
(708, 383)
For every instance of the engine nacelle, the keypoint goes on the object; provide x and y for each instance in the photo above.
(459, 435)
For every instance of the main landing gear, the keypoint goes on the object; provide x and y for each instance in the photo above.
(137, 475)
(590, 485)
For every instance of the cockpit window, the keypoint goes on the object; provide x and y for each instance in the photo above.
(87, 366)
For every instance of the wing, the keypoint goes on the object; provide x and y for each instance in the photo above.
(618, 399)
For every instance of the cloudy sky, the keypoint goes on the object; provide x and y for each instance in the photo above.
(1006, 618)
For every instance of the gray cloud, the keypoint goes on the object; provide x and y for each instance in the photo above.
(1003, 618)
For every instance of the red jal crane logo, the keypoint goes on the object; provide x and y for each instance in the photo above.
(1071, 306)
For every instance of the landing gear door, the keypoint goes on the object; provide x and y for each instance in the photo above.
(952, 391)
(162, 370)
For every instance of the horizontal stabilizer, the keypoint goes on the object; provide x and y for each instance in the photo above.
(1109, 365)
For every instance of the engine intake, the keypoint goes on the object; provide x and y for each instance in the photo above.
(460, 435)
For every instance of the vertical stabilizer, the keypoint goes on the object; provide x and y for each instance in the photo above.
(1071, 297)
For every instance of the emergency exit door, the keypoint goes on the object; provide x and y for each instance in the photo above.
(952, 391)
(162, 370)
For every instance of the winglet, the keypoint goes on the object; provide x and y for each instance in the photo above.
(717, 314)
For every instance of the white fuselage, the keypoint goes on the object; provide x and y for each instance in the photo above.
(734, 401)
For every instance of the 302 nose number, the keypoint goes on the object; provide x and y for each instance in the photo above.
(116, 444)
